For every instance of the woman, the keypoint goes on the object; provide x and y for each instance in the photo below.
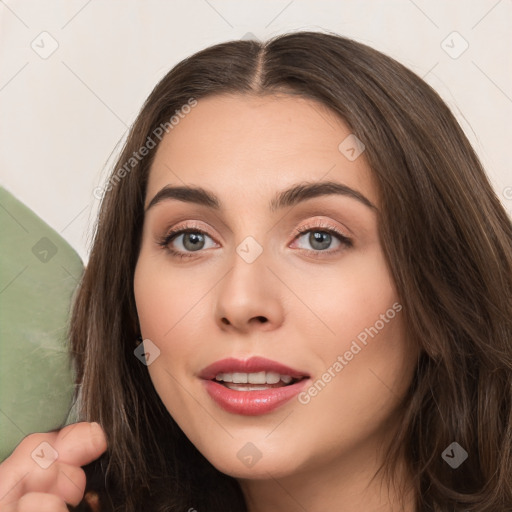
(320, 274)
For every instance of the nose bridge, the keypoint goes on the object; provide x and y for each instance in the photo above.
(248, 278)
(248, 292)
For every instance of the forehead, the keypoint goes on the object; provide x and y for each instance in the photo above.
(238, 143)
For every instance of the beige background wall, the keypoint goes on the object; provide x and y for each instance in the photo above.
(73, 75)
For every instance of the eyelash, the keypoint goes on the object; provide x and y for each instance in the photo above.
(165, 240)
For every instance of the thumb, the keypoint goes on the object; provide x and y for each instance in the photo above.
(80, 443)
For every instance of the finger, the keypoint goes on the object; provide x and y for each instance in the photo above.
(63, 480)
(37, 502)
(36, 457)
(70, 485)
(79, 444)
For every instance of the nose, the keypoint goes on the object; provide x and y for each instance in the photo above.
(249, 297)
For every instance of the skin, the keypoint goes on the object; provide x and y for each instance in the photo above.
(207, 307)
(44, 471)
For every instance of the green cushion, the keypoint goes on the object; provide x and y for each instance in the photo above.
(39, 272)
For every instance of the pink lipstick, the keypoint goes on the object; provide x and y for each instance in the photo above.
(253, 386)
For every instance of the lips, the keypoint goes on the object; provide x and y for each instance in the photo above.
(253, 386)
(252, 365)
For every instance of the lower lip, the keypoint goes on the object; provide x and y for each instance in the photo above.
(252, 403)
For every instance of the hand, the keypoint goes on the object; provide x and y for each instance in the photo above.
(44, 477)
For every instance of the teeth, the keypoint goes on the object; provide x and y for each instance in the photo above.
(239, 378)
(256, 378)
(273, 378)
(236, 387)
(253, 378)
(226, 377)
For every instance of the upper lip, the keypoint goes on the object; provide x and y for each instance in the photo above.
(251, 365)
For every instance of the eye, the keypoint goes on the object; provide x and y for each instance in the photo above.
(321, 238)
(186, 241)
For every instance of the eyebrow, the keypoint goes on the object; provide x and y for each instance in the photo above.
(289, 197)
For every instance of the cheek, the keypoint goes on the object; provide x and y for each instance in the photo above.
(165, 298)
(162, 306)
(171, 311)
(368, 363)
(351, 299)
(362, 354)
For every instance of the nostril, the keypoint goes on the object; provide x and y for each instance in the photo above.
(262, 319)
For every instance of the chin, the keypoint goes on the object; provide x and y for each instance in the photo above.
(252, 463)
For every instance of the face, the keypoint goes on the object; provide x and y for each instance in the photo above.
(275, 324)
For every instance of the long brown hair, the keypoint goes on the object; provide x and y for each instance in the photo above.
(448, 242)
